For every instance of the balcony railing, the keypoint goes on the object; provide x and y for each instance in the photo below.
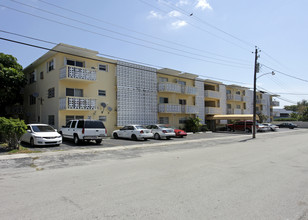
(234, 97)
(176, 88)
(80, 73)
(212, 94)
(235, 111)
(185, 109)
(275, 103)
(212, 110)
(78, 103)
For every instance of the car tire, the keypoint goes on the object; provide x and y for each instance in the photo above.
(98, 141)
(181, 136)
(248, 130)
(115, 136)
(32, 142)
(145, 139)
(156, 136)
(76, 139)
(134, 137)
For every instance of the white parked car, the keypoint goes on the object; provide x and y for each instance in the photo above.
(262, 127)
(161, 131)
(134, 132)
(272, 127)
(41, 134)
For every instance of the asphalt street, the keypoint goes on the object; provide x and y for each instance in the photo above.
(233, 177)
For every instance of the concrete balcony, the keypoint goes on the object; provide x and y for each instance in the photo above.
(212, 110)
(260, 101)
(177, 88)
(181, 109)
(78, 73)
(212, 94)
(275, 103)
(234, 97)
(77, 103)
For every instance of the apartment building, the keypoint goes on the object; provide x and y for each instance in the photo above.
(72, 84)
(69, 82)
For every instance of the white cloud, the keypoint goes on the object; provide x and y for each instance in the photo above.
(174, 14)
(154, 14)
(182, 2)
(203, 4)
(178, 24)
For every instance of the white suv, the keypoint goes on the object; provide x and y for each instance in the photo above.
(84, 130)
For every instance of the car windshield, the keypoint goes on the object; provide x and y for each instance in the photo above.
(42, 128)
(140, 127)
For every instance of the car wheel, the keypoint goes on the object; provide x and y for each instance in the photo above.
(76, 139)
(181, 136)
(145, 139)
(98, 141)
(134, 137)
(32, 142)
(248, 130)
(115, 136)
(156, 136)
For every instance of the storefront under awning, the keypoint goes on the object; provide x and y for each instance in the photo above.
(232, 117)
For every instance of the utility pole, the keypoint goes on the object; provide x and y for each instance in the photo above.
(256, 69)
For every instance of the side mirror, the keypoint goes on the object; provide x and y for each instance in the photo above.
(56, 130)
(29, 131)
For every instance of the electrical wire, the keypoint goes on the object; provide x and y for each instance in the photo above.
(141, 33)
(199, 28)
(126, 41)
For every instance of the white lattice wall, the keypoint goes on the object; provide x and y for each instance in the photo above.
(136, 94)
(200, 99)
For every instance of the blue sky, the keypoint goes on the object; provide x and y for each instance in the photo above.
(215, 42)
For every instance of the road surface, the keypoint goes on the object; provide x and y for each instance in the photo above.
(239, 178)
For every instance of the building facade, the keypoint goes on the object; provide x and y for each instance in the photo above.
(69, 82)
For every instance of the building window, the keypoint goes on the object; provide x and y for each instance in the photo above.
(228, 91)
(163, 79)
(163, 100)
(163, 120)
(102, 118)
(51, 119)
(182, 83)
(103, 67)
(50, 65)
(74, 92)
(182, 101)
(238, 106)
(72, 117)
(32, 77)
(102, 92)
(237, 92)
(32, 100)
(229, 106)
(42, 75)
(75, 63)
(51, 93)
(182, 120)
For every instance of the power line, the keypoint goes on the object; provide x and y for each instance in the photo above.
(141, 33)
(197, 27)
(207, 23)
(126, 41)
(277, 71)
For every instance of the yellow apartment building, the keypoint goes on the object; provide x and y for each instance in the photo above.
(176, 97)
(71, 84)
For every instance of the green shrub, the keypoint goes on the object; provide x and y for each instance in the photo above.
(193, 124)
(285, 119)
(204, 128)
(11, 131)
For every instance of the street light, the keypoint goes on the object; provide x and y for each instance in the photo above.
(255, 100)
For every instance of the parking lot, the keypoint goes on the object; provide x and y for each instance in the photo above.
(111, 142)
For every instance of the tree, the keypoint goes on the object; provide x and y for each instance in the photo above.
(301, 110)
(262, 118)
(12, 80)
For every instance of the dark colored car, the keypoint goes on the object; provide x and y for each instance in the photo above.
(287, 125)
(180, 133)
